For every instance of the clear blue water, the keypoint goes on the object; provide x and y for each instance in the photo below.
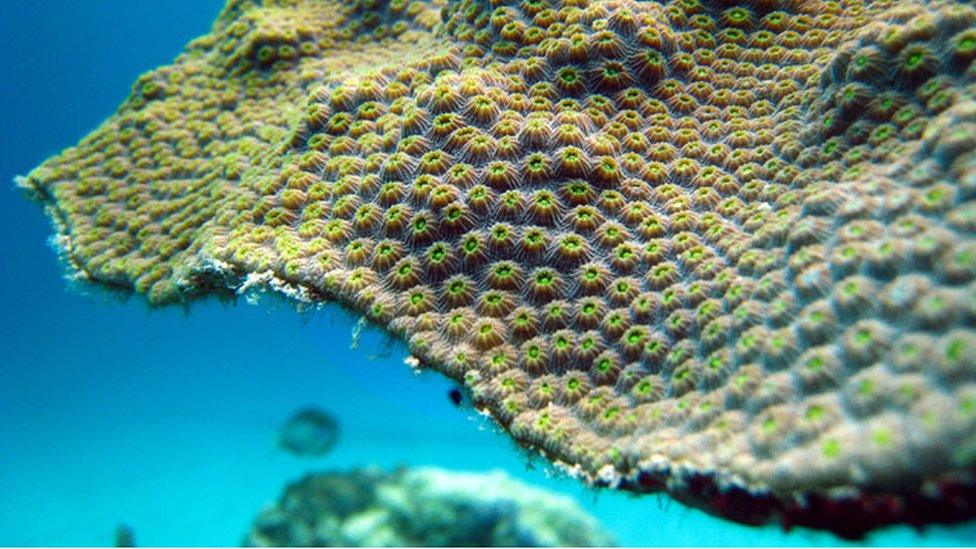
(166, 419)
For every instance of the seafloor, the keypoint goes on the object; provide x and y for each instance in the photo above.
(165, 420)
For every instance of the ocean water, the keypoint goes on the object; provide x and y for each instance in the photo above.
(165, 420)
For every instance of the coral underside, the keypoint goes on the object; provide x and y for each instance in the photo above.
(721, 249)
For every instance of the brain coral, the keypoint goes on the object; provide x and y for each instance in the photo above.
(722, 249)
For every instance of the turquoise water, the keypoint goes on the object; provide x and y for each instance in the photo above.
(166, 419)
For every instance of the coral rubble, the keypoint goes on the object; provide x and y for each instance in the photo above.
(721, 249)
(421, 507)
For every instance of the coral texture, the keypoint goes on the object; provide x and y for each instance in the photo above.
(423, 507)
(722, 249)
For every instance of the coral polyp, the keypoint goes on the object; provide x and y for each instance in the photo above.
(695, 246)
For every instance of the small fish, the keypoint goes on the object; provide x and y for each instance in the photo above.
(456, 397)
(309, 432)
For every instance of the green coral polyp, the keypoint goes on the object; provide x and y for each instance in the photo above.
(831, 448)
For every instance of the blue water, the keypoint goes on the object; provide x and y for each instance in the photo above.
(165, 419)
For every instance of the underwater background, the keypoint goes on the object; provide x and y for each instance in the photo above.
(166, 420)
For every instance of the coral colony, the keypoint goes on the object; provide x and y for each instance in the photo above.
(421, 507)
(725, 250)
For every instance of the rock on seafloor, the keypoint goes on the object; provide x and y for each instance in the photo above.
(721, 249)
(421, 507)
(309, 432)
